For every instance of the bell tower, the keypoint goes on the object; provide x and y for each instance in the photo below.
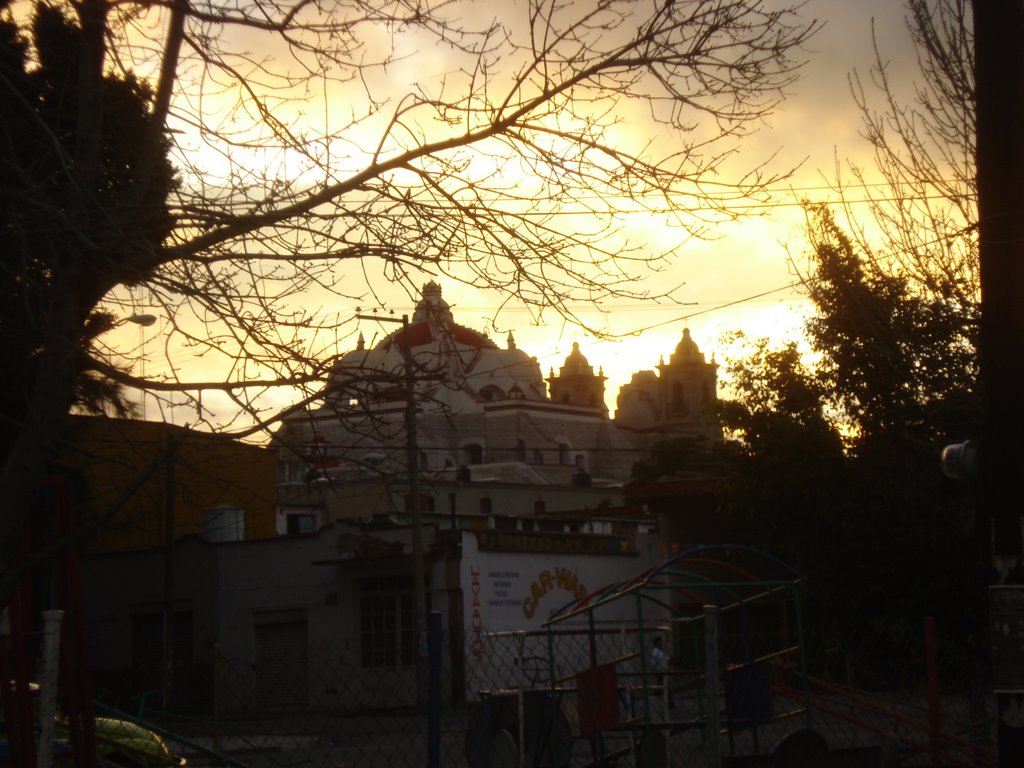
(577, 384)
(689, 386)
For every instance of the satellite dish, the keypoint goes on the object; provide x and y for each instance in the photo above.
(504, 750)
(803, 747)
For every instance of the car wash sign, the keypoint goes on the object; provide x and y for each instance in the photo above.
(559, 579)
(506, 590)
(517, 598)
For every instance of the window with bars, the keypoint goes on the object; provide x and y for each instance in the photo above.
(386, 622)
(301, 523)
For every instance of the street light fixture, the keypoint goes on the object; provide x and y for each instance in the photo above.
(145, 320)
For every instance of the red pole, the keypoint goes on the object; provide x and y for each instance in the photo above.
(20, 616)
(74, 648)
(934, 704)
(7, 697)
(16, 694)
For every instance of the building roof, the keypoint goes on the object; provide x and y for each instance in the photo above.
(457, 368)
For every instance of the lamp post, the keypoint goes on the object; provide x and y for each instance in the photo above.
(143, 320)
(412, 464)
(168, 449)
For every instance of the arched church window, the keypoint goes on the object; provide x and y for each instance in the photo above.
(563, 453)
(520, 450)
(678, 398)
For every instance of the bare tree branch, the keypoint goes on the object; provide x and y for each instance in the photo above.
(239, 166)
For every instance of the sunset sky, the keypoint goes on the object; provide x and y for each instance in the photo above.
(739, 279)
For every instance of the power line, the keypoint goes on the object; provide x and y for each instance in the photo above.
(742, 207)
(712, 307)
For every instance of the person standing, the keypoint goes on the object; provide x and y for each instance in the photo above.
(659, 666)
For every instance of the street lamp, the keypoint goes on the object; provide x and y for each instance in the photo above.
(145, 320)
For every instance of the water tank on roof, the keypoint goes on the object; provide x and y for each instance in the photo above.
(223, 524)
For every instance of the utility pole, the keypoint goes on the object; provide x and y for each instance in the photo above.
(412, 465)
(999, 100)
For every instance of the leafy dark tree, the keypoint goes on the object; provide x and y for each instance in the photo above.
(899, 364)
(789, 453)
(893, 340)
(44, 200)
(839, 462)
(787, 473)
(65, 234)
(897, 326)
(901, 369)
(897, 322)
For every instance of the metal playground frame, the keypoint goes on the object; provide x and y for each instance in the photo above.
(730, 617)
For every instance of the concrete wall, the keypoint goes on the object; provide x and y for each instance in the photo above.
(285, 613)
(243, 597)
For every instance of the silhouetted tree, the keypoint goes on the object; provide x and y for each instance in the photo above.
(898, 364)
(315, 161)
(677, 456)
(838, 459)
(898, 315)
(838, 464)
(786, 483)
(40, 197)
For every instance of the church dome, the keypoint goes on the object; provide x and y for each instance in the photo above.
(432, 321)
(576, 364)
(687, 350)
(461, 368)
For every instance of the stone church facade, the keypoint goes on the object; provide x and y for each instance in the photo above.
(485, 416)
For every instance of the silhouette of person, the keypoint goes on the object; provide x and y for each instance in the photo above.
(659, 666)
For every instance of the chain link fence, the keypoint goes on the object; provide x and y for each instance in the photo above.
(563, 700)
(572, 699)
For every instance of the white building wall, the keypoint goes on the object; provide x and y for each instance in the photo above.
(517, 591)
